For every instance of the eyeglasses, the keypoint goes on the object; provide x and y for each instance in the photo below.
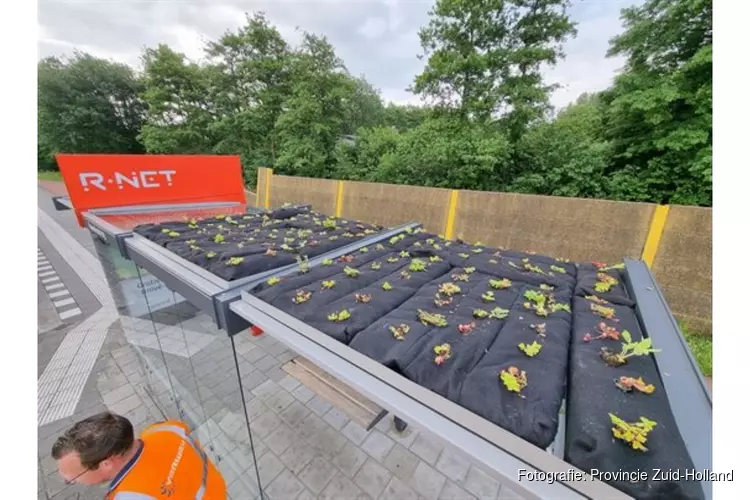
(70, 482)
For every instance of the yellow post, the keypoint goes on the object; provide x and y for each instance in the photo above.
(261, 171)
(451, 219)
(339, 198)
(269, 176)
(654, 234)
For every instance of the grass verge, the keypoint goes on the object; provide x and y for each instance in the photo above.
(49, 176)
(702, 347)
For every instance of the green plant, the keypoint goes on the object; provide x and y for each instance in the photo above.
(333, 238)
(302, 296)
(442, 352)
(431, 318)
(392, 260)
(480, 313)
(558, 269)
(621, 265)
(387, 286)
(513, 264)
(501, 284)
(219, 238)
(605, 282)
(166, 231)
(530, 350)
(460, 277)
(174, 234)
(417, 244)
(376, 266)
(604, 312)
(235, 261)
(435, 258)
(560, 307)
(470, 270)
(304, 264)
(438, 247)
(548, 288)
(633, 434)
(328, 284)
(379, 246)
(274, 280)
(488, 296)
(394, 240)
(449, 289)
(327, 262)
(476, 250)
(330, 223)
(463, 255)
(400, 331)
(351, 272)
(404, 254)
(629, 348)
(210, 255)
(417, 265)
(514, 379)
(499, 313)
(363, 250)
(430, 241)
(533, 269)
(492, 261)
(339, 316)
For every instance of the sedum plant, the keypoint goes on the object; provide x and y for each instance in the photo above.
(442, 353)
(400, 331)
(514, 379)
(339, 316)
(387, 286)
(351, 272)
(501, 284)
(634, 434)
(433, 319)
(530, 350)
(328, 284)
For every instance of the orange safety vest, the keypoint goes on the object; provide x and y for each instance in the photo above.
(170, 465)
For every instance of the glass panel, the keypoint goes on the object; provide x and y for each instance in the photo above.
(203, 375)
(126, 285)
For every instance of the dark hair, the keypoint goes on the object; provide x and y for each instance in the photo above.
(96, 438)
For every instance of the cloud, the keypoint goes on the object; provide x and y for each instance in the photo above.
(375, 38)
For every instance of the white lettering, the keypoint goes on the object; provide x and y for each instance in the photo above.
(147, 179)
(120, 179)
(168, 174)
(95, 180)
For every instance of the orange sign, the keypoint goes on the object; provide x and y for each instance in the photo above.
(105, 181)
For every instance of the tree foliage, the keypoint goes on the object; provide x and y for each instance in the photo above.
(87, 105)
(488, 124)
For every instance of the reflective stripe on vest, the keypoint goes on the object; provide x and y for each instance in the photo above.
(128, 495)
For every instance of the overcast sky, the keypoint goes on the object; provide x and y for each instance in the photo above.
(377, 38)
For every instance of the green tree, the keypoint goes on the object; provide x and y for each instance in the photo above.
(87, 105)
(364, 107)
(405, 117)
(180, 113)
(659, 116)
(447, 152)
(485, 58)
(251, 81)
(566, 156)
(360, 160)
(315, 116)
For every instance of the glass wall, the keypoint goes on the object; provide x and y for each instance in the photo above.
(189, 368)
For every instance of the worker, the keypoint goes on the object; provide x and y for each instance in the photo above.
(166, 462)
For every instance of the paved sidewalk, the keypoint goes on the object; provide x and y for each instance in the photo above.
(304, 447)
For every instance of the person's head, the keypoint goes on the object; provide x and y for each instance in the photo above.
(95, 449)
